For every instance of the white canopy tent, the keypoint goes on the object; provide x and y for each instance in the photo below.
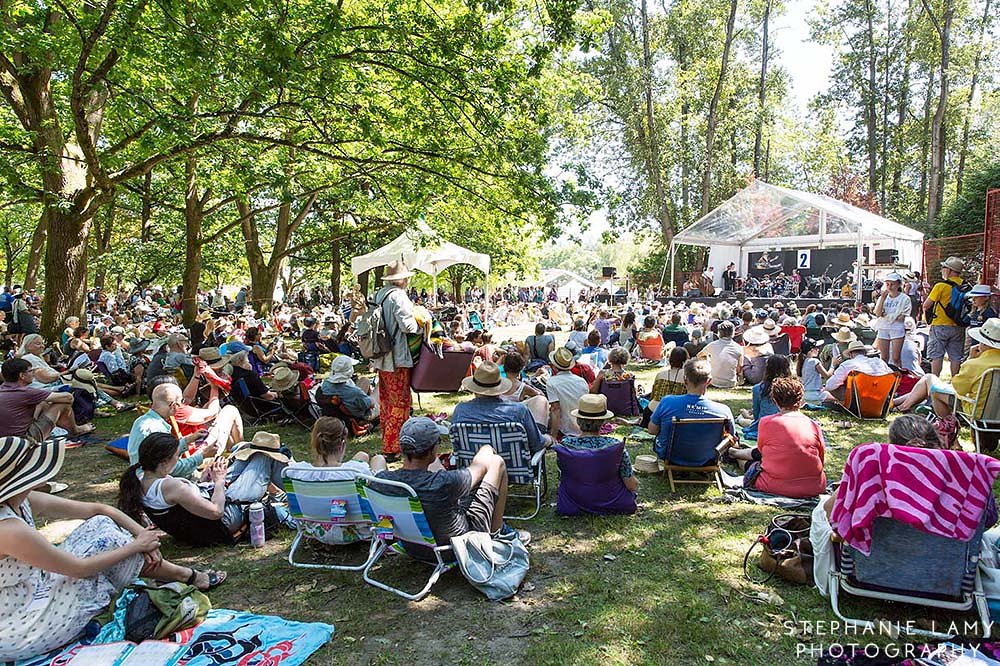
(420, 249)
(765, 217)
(567, 283)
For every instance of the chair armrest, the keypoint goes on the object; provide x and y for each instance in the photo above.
(536, 459)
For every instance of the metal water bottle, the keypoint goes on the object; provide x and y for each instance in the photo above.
(256, 524)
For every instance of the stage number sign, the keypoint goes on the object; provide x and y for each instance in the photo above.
(802, 259)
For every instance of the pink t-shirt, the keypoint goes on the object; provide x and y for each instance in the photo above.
(791, 450)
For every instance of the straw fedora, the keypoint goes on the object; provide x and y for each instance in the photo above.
(756, 336)
(212, 356)
(980, 290)
(954, 263)
(486, 380)
(863, 320)
(592, 407)
(396, 270)
(843, 319)
(562, 359)
(84, 379)
(769, 325)
(283, 379)
(646, 464)
(988, 334)
(263, 442)
(26, 464)
(857, 346)
(844, 335)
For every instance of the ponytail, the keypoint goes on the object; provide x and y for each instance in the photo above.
(130, 493)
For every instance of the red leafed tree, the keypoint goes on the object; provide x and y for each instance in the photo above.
(851, 188)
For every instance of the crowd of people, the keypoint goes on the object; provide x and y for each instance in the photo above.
(194, 473)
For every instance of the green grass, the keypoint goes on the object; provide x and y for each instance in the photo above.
(673, 591)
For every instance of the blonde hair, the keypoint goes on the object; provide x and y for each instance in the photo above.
(328, 438)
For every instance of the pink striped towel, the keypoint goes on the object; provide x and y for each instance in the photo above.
(937, 491)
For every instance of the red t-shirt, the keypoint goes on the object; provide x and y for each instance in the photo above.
(791, 452)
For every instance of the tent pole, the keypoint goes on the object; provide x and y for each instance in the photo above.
(434, 288)
(673, 249)
(861, 260)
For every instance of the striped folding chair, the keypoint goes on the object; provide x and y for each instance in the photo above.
(398, 523)
(510, 441)
(326, 509)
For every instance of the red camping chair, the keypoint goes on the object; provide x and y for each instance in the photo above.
(651, 349)
(795, 335)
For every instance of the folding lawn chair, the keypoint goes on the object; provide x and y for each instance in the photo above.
(331, 405)
(782, 345)
(911, 566)
(589, 482)
(299, 406)
(869, 396)
(510, 441)
(266, 410)
(677, 337)
(398, 520)
(795, 335)
(692, 443)
(622, 400)
(651, 349)
(982, 413)
(326, 511)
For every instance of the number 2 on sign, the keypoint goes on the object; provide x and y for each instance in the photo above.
(803, 259)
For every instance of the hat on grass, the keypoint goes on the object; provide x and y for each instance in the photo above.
(844, 335)
(418, 435)
(267, 443)
(988, 334)
(646, 464)
(26, 464)
(486, 380)
(592, 407)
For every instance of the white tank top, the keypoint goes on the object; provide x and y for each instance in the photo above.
(153, 499)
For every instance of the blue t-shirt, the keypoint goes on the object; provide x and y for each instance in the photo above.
(762, 406)
(693, 451)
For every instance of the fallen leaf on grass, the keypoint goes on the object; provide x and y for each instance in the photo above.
(305, 587)
(610, 558)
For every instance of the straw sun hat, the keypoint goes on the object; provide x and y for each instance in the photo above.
(263, 442)
(486, 380)
(592, 407)
(26, 464)
(396, 270)
(988, 334)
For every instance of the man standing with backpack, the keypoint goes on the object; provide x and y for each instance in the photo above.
(383, 341)
(944, 313)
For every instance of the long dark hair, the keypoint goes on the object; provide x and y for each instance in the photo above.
(775, 366)
(808, 344)
(153, 450)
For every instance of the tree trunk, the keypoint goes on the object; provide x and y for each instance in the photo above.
(870, 100)
(36, 254)
(901, 111)
(761, 92)
(964, 148)
(713, 110)
(935, 190)
(363, 281)
(146, 213)
(653, 165)
(682, 65)
(8, 269)
(335, 265)
(65, 269)
(925, 141)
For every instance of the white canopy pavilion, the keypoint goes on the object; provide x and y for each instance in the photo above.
(421, 250)
(764, 217)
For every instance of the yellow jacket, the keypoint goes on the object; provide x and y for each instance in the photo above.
(966, 382)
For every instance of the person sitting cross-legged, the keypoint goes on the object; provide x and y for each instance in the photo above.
(788, 460)
(26, 411)
(455, 501)
(694, 405)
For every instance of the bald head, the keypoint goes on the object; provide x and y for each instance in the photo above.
(165, 399)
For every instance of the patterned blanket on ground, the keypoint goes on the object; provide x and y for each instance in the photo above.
(230, 637)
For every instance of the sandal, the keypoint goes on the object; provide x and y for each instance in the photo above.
(215, 578)
(124, 407)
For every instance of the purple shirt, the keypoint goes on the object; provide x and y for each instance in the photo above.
(17, 408)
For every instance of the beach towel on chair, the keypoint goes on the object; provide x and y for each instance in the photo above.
(940, 492)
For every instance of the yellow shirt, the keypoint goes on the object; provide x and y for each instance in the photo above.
(966, 382)
(941, 294)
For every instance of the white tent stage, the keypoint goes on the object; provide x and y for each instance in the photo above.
(764, 217)
(567, 283)
(421, 250)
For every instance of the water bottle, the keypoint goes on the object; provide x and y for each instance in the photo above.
(256, 524)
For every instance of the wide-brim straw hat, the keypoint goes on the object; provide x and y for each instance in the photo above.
(283, 379)
(769, 325)
(396, 270)
(844, 334)
(84, 379)
(988, 334)
(756, 336)
(592, 407)
(954, 263)
(486, 380)
(213, 357)
(26, 464)
(857, 346)
(843, 319)
(863, 319)
(267, 443)
(562, 359)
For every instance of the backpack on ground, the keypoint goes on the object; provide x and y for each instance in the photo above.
(373, 336)
(959, 307)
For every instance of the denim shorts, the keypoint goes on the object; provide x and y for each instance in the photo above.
(946, 340)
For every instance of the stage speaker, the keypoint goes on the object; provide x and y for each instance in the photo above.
(608, 272)
(692, 293)
(866, 295)
(725, 294)
(741, 295)
(886, 256)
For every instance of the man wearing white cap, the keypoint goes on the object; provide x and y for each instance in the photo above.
(947, 337)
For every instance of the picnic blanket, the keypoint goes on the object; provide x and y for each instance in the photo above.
(938, 491)
(767, 499)
(225, 637)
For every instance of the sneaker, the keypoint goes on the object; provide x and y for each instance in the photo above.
(523, 535)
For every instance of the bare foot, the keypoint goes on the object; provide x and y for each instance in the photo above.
(85, 429)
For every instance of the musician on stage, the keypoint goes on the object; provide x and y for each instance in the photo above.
(729, 277)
